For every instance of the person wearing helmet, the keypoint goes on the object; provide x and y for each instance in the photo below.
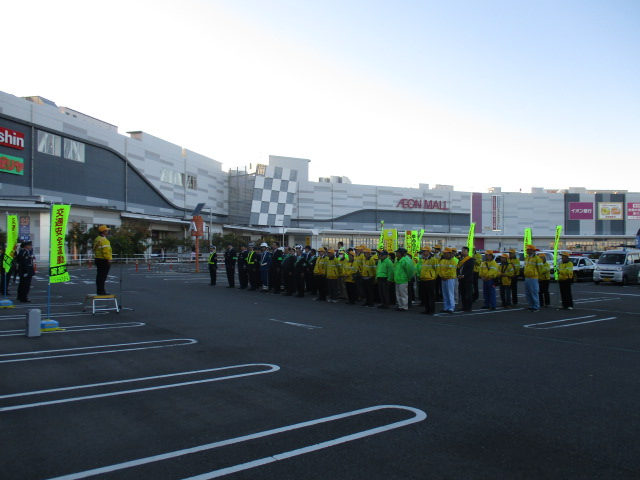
(565, 278)
(543, 281)
(265, 264)
(532, 268)
(102, 258)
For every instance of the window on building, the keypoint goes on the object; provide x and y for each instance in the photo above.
(261, 169)
(172, 177)
(192, 182)
(49, 143)
(73, 150)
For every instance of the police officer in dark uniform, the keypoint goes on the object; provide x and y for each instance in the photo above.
(213, 263)
(299, 269)
(26, 271)
(243, 274)
(230, 258)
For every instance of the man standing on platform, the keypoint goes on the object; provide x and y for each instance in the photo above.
(102, 258)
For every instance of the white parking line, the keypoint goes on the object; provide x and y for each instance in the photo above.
(187, 341)
(591, 300)
(76, 328)
(272, 368)
(308, 327)
(419, 416)
(479, 312)
(538, 326)
(56, 315)
(616, 293)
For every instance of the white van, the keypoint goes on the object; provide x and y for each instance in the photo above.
(620, 266)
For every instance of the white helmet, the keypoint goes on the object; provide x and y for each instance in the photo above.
(264, 245)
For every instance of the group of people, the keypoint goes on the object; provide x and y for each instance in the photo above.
(384, 279)
(22, 267)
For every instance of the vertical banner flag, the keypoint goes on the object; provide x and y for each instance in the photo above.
(390, 242)
(412, 241)
(12, 238)
(472, 231)
(527, 239)
(57, 258)
(381, 241)
(555, 252)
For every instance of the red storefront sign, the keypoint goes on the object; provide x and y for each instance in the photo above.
(11, 138)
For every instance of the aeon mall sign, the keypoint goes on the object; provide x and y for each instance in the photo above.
(419, 203)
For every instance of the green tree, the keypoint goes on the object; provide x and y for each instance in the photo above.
(80, 237)
(221, 241)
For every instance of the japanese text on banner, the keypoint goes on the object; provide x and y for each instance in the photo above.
(57, 257)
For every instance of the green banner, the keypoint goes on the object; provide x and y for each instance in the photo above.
(412, 241)
(12, 238)
(390, 239)
(470, 239)
(527, 240)
(555, 251)
(57, 258)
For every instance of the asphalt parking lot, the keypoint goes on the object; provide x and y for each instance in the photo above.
(195, 381)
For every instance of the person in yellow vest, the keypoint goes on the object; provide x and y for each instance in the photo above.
(213, 264)
(488, 274)
(515, 261)
(447, 274)
(565, 279)
(320, 274)
(532, 267)
(333, 267)
(102, 258)
(429, 266)
(368, 276)
(437, 252)
(349, 270)
(543, 281)
(477, 260)
(506, 272)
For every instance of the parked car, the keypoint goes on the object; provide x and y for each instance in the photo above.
(583, 268)
(620, 266)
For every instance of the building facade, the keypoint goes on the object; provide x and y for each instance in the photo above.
(51, 154)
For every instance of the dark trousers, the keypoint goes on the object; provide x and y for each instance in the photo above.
(438, 288)
(102, 267)
(332, 285)
(368, 291)
(429, 289)
(543, 293)
(213, 270)
(565, 293)
(514, 290)
(231, 273)
(383, 289)
(476, 286)
(24, 286)
(351, 292)
(243, 276)
(287, 281)
(300, 284)
(4, 283)
(505, 295)
(254, 277)
(321, 284)
(465, 290)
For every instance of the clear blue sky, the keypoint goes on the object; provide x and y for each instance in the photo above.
(392, 93)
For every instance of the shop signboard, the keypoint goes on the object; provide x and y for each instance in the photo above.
(610, 211)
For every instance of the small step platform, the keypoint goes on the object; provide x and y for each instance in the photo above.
(101, 303)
